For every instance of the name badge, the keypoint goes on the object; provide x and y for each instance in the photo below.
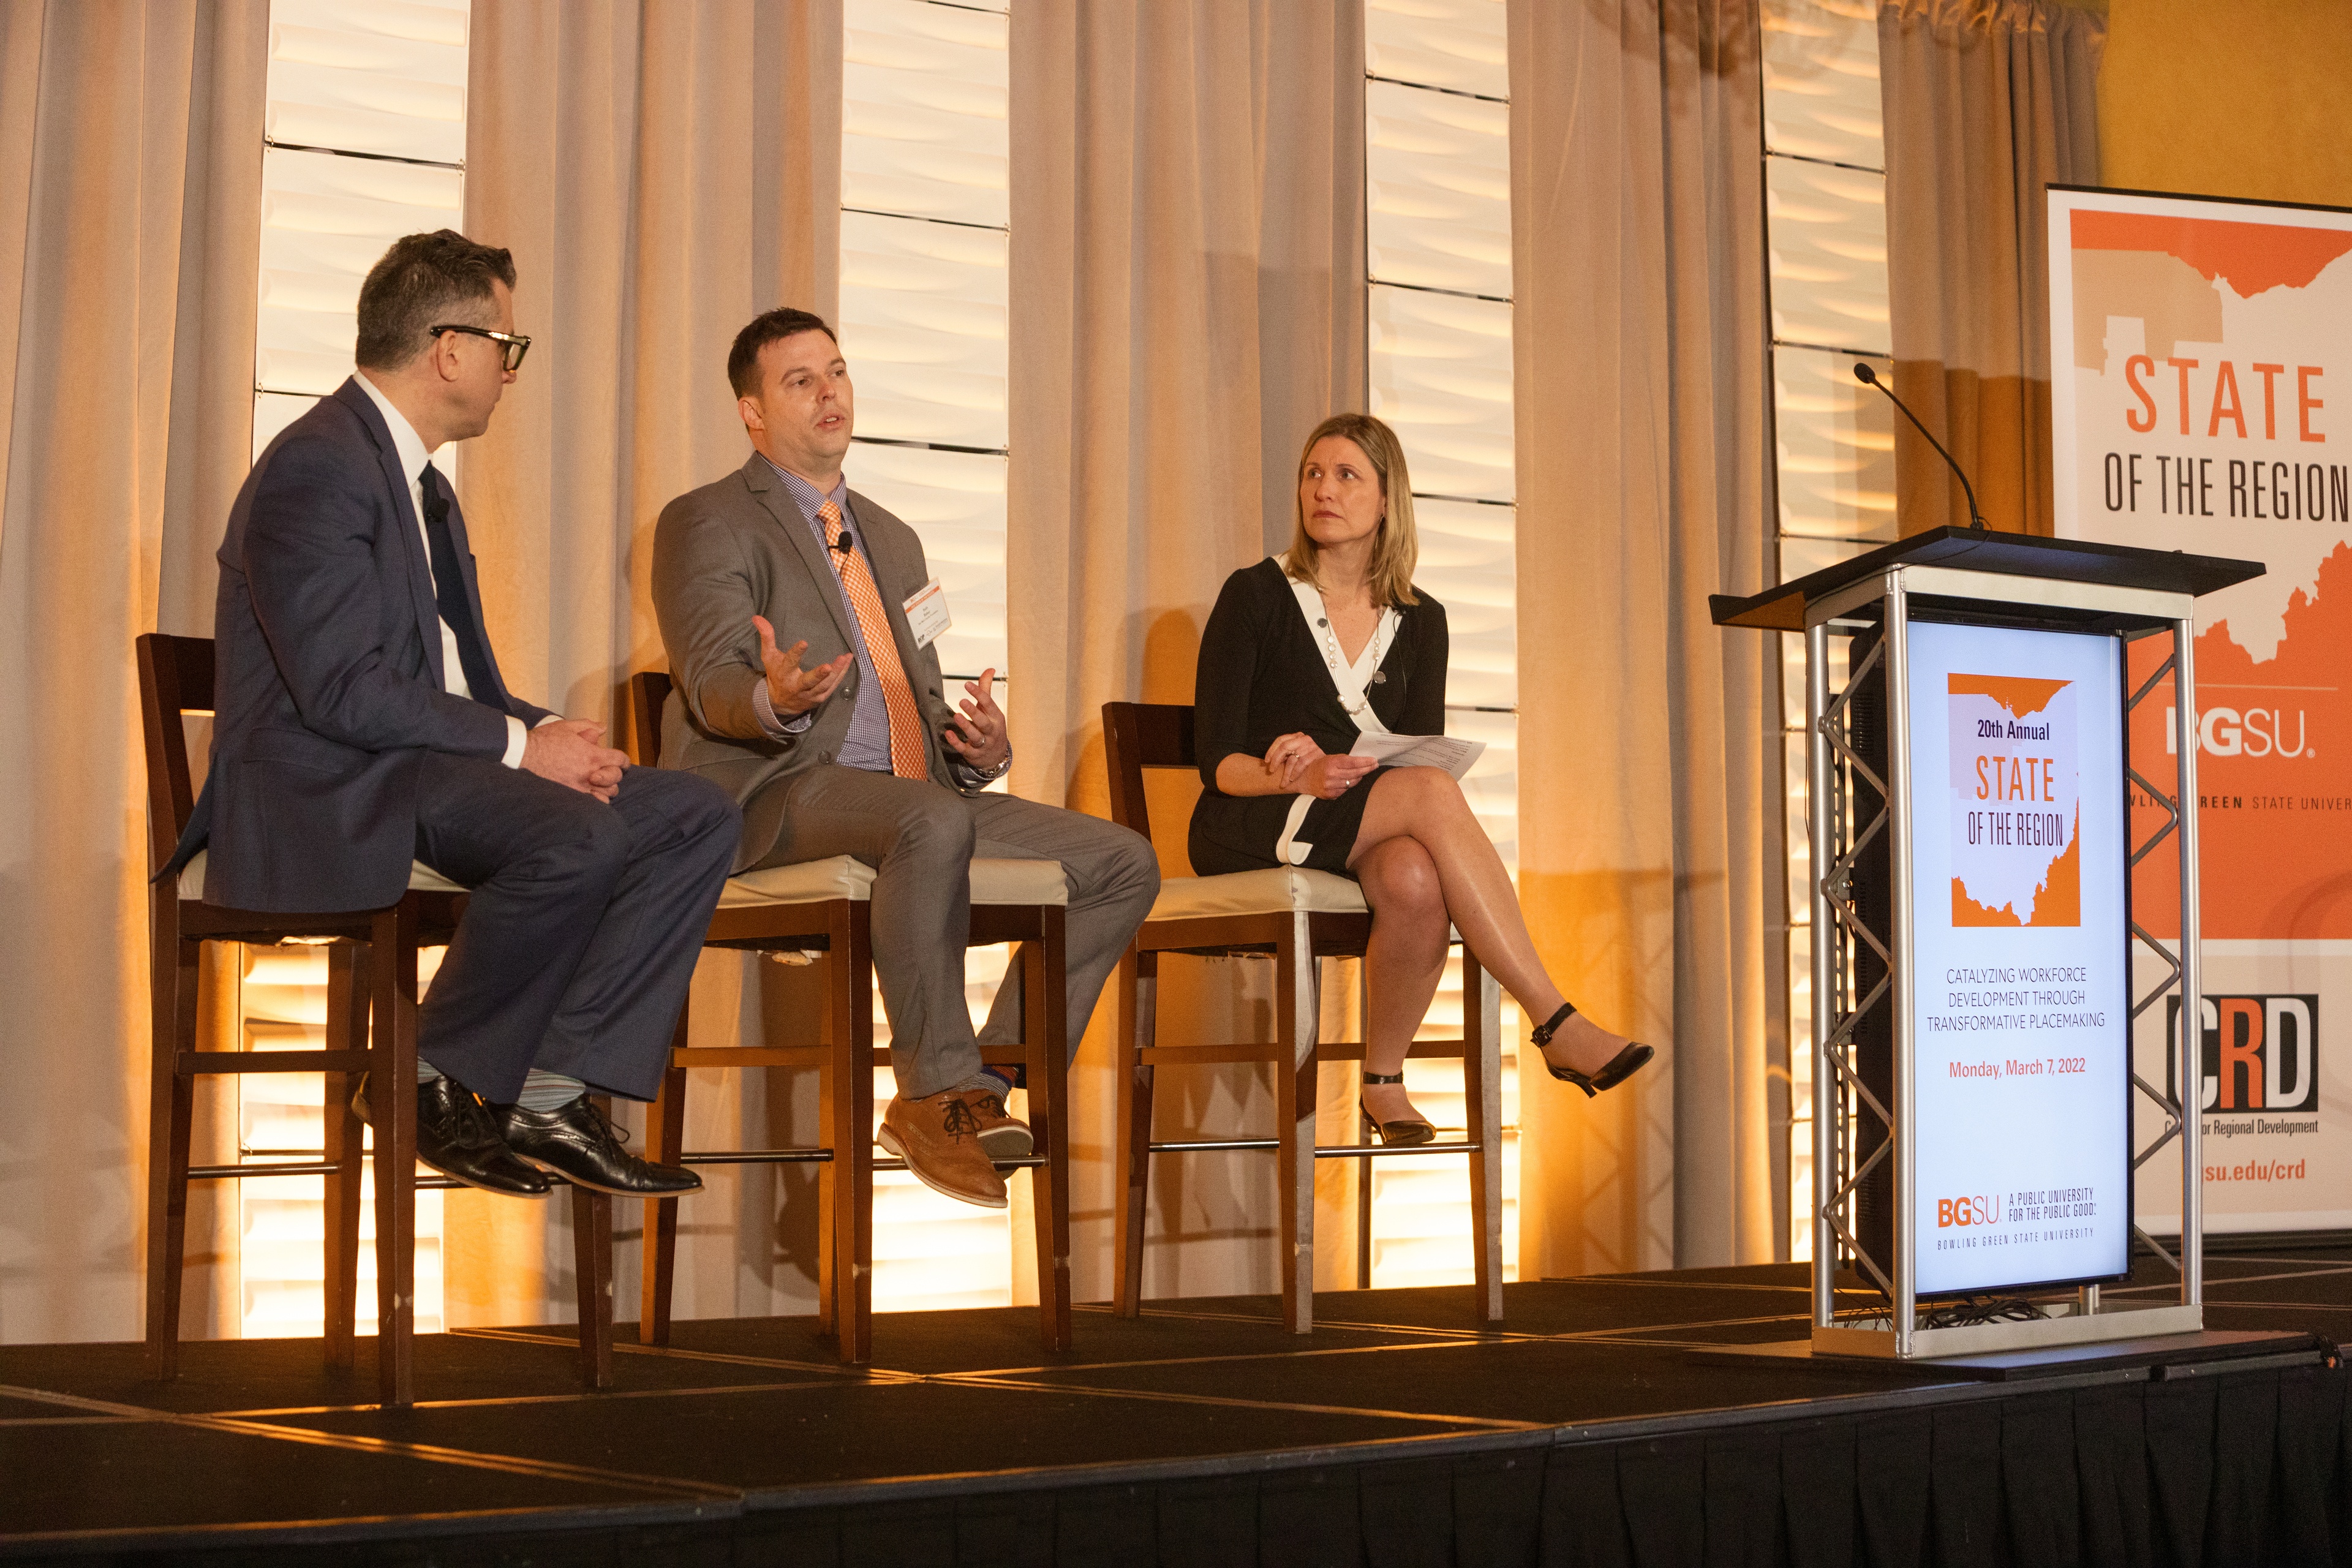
(926, 613)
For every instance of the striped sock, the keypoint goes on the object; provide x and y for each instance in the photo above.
(549, 1091)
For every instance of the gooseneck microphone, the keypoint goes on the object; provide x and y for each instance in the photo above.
(1869, 377)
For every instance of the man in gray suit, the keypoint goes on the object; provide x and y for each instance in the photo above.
(363, 722)
(859, 753)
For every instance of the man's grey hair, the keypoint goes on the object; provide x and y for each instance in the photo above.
(424, 280)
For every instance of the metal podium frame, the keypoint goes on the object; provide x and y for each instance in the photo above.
(1884, 602)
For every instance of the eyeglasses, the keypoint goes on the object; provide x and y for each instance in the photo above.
(515, 343)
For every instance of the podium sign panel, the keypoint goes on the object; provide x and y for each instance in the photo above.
(2021, 1033)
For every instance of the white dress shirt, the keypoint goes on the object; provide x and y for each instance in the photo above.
(413, 457)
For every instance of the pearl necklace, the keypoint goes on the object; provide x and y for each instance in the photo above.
(1336, 659)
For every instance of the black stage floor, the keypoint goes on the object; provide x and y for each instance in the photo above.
(1589, 1429)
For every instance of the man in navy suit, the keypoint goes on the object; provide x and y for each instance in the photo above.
(361, 723)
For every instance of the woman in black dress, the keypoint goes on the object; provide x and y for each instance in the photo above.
(1305, 652)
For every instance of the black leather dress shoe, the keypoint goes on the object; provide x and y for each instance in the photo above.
(576, 1142)
(458, 1136)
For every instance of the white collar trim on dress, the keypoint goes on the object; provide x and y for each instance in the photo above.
(1352, 681)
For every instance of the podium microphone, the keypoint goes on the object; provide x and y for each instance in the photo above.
(1869, 377)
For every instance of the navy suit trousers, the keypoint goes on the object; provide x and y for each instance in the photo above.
(585, 921)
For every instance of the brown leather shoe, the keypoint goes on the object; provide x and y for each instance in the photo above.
(1004, 1135)
(939, 1137)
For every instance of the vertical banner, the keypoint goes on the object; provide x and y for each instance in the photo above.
(2019, 1045)
(2202, 400)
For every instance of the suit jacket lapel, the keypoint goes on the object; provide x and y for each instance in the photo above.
(770, 494)
(412, 532)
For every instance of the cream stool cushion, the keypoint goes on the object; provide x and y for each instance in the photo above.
(1277, 890)
(1019, 882)
(846, 877)
(422, 878)
(811, 881)
(806, 882)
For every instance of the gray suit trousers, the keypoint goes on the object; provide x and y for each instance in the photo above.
(920, 839)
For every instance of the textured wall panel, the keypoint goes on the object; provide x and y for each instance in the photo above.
(1821, 82)
(324, 221)
(387, 77)
(922, 325)
(923, 125)
(1438, 190)
(1836, 447)
(1453, 44)
(1441, 376)
(1827, 233)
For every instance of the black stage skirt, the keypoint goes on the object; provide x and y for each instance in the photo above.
(1238, 832)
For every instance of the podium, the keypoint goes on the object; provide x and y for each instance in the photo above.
(1977, 969)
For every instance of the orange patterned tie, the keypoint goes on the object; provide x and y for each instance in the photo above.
(907, 758)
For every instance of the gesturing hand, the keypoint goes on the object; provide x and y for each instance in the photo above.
(565, 751)
(977, 733)
(791, 688)
(1329, 777)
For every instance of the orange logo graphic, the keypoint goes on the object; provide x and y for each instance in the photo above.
(1980, 1209)
(2058, 902)
(2015, 815)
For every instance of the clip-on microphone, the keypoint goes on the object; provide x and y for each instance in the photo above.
(1869, 377)
(845, 544)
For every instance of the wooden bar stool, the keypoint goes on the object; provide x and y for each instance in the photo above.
(825, 907)
(370, 1030)
(1298, 916)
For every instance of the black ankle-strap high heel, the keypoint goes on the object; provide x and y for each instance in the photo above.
(1395, 1135)
(1616, 1070)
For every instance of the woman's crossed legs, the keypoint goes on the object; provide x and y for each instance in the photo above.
(1424, 862)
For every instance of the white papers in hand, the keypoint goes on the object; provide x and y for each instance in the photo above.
(1422, 751)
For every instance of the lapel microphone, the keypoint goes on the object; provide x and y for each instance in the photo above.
(1869, 377)
(845, 544)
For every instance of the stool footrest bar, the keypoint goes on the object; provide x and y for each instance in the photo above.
(188, 1064)
(285, 1168)
(1029, 1164)
(755, 1157)
(1322, 1151)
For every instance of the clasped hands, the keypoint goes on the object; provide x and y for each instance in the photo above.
(976, 733)
(1302, 767)
(566, 752)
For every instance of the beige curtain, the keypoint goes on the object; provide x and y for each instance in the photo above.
(1639, 338)
(129, 204)
(663, 170)
(1187, 300)
(1987, 102)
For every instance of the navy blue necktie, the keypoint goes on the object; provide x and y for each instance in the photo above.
(449, 590)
